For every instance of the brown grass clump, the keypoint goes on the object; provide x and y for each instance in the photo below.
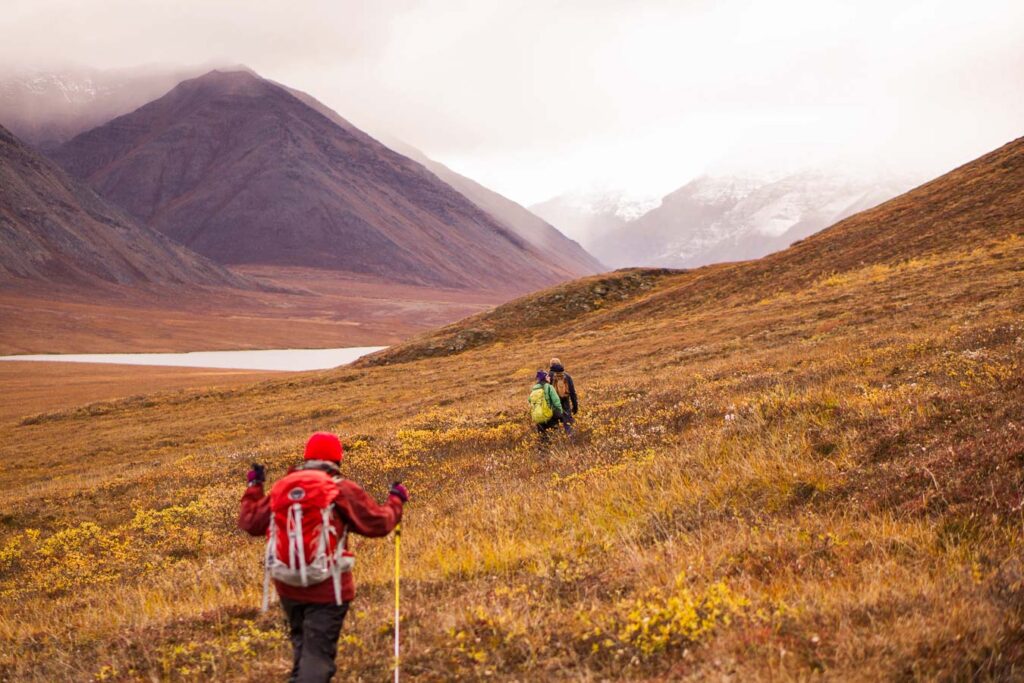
(806, 476)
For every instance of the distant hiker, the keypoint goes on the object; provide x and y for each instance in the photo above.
(566, 390)
(307, 518)
(545, 406)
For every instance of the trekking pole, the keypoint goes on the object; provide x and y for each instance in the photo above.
(398, 538)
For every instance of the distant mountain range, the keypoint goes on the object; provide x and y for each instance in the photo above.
(55, 230)
(719, 218)
(247, 171)
(244, 171)
(979, 204)
(588, 214)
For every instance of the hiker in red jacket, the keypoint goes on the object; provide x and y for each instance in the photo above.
(315, 606)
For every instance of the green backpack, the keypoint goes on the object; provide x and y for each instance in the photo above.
(540, 408)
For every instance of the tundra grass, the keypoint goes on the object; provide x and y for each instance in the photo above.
(824, 481)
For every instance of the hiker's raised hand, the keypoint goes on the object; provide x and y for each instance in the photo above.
(257, 475)
(398, 489)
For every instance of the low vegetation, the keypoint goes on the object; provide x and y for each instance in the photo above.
(821, 475)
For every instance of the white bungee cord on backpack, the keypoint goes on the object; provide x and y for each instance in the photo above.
(322, 565)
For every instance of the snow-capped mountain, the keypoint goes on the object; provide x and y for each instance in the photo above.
(585, 215)
(47, 108)
(730, 218)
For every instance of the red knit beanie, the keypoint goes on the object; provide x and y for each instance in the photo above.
(324, 446)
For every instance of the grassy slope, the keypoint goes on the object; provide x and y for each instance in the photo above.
(808, 463)
(33, 387)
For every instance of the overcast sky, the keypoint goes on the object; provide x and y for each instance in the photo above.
(537, 98)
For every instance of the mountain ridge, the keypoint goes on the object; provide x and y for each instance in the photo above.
(241, 170)
(518, 218)
(57, 231)
(512, 215)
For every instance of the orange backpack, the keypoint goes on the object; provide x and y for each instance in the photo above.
(560, 383)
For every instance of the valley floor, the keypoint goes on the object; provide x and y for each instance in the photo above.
(310, 309)
(31, 388)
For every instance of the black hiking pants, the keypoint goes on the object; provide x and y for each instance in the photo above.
(543, 428)
(314, 630)
(567, 416)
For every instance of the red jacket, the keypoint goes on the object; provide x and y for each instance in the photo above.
(355, 507)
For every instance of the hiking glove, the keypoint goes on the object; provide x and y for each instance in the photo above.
(397, 489)
(257, 475)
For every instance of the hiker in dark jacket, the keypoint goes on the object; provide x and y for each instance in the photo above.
(566, 390)
(313, 613)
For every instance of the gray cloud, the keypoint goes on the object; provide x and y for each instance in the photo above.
(534, 98)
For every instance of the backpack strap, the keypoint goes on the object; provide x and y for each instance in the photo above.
(339, 550)
(296, 543)
(336, 564)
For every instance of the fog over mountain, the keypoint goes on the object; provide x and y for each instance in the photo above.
(529, 225)
(532, 99)
(45, 108)
(585, 215)
(514, 217)
(645, 97)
